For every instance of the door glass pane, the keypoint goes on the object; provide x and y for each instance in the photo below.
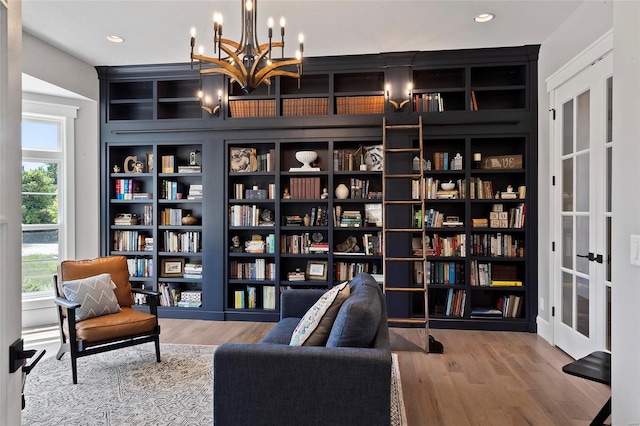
(608, 316)
(567, 299)
(583, 121)
(567, 185)
(39, 193)
(39, 260)
(567, 242)
(567, 128)
(609, 180)
(582, 183)
(607, 254)
(582, 244)
(582, 305)
(609, 119)
(40, 135)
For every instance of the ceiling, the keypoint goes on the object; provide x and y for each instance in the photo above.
(158, 31)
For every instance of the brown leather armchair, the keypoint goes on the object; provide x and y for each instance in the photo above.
(107, 332)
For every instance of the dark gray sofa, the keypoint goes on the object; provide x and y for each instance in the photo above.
(346, 382)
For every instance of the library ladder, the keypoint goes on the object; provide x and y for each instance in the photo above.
(402, 216)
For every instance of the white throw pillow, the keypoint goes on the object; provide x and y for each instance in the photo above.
(315, 326)
(95, 295)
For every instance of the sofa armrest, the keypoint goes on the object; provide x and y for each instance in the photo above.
(285, 385)
(296, 302)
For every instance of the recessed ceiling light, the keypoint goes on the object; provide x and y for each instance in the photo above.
(115, 39)
(484, 17)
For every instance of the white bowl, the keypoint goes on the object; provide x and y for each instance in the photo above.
(306, 158)
(447, 186)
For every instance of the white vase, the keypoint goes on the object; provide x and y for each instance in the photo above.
(342, 191)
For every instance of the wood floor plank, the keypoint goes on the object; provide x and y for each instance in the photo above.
(487, 378)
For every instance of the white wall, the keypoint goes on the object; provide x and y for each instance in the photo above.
(589, 22)
(81, 78)
(625, 345)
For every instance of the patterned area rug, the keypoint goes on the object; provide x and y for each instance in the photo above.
(127, 387)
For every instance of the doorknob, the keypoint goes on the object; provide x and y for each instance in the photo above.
(590, 256)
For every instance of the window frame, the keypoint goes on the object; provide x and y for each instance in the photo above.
(64, 116)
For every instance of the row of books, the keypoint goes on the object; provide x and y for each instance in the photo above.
(508, 306)
(172, 217)
(348, 270)
(360, 104)
(182, 242)
(140, 267)
(481, 275)
(125, 188)
(307, 188)
(428, 102)
(253, 108)
(248, 299)
(172, 295)
(359, 188)
(454, 245)
(257, 270)
(305, 106)
(301, 244)
(195, 192)
(451, 305)
(128, 240)
(499, 245)
(448, 273)
(348, 159)
(246, 215)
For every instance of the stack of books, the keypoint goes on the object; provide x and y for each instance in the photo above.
(193, 271)
(195, 192)
(350, 218)
(296, 276)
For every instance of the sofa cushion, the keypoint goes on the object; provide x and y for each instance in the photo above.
(282, 332)
(95, 295)
(358, 319)
(314, 327)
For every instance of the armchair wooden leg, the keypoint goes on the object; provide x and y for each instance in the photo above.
(157, 341)
(74, 369)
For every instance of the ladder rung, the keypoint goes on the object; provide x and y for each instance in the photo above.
(406, 289)
(404, 176)
(411, 230)
(401, 150)
(403, 126)
(403, 202)
(404, 259)
(407, 320)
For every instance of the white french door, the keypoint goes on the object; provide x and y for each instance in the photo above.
(583, 147)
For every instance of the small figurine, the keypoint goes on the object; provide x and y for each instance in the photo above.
(325, 194)
(138, 167)
(116, 169)
(286, 194)
(235, 248)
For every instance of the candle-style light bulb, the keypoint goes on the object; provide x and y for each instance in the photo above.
(193, 32)
(199, 94)
(201, 50)
(249, 5)
(409, 88)
(387, 91)
(298, 55)
(219, 95)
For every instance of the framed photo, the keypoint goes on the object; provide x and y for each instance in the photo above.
(243, 160)
(149, 160)
(317, 270)
(172, 268)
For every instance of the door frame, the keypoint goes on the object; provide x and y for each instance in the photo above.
(597, 50)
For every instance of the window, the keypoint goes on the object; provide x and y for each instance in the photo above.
(47, 193)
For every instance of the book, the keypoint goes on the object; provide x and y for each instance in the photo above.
(506, 283)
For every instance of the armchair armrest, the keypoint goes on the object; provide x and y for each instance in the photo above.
(154, 298)
(315, 385)
(65, 303)
(295, 303)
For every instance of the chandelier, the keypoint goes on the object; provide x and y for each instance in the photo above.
(247, 62)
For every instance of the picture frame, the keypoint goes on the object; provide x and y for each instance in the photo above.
(243, 159)
(172, 268)
(149, 161)
(317, 270)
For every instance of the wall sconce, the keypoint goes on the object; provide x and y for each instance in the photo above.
(206, 100)
(398, 105)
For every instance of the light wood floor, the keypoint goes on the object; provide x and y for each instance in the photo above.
(482, 378)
